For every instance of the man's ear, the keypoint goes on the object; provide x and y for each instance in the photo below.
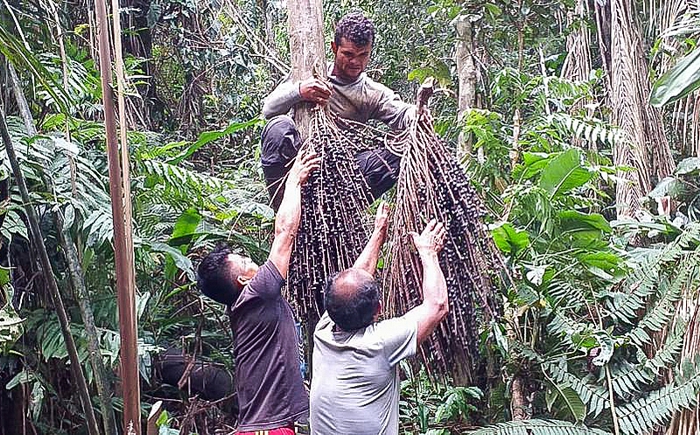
(242, 280)
(379, 311)
(334, 48)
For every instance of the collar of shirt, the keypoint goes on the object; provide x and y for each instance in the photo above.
(339, 81)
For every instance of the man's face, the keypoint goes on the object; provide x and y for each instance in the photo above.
(350, 59)
(245, 267)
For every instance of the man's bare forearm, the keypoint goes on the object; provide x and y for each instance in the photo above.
(434, 284)
(289, 213)
(369, 257)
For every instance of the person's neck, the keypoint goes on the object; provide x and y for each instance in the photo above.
(344, 80)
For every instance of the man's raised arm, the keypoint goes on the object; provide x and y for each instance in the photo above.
(288, 93)
(289, 213)
(435, 304)
(369, 257)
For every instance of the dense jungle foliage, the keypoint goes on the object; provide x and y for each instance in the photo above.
(577, 121)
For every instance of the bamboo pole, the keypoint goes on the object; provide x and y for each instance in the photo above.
(75, 366)
(123, 129)
(75, 273)
(125, 286)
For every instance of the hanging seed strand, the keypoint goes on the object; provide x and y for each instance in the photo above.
(432, 185)
(333, 228)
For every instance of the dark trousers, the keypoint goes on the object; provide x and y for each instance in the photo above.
(281, 142)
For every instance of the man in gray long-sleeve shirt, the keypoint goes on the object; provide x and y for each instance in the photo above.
(352, 95)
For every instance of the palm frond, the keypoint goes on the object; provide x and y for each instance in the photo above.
(595, 396)
(646, 413)
(642, 282)
(538, 427)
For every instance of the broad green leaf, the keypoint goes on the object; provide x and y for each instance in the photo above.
(181, 261)
(678, 82)
(564, 173)
(185, 226)
(688, 166)
(572, 220)
(602, 260)
(669, 186)
(510, 240)
(570, 398)
(533, 163)
(22, 377)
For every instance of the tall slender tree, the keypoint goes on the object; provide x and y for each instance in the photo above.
(644, 147)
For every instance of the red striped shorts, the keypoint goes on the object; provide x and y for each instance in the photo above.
(278, 431)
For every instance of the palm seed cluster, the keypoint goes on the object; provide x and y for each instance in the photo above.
(432, 185)
(335, 228)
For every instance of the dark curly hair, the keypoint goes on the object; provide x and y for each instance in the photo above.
(216, 276)
(354, 311)
(356, 28)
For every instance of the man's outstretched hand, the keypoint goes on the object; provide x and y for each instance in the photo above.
(303, 165)
(314, 91)
(381, 219)
(431, 240)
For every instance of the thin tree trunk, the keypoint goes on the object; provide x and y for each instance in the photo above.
(466, 72)
(306, 47)
(50, 279)
(519, 405)
(578, 65)
(645, 146)
(126, 296)
(75, 274)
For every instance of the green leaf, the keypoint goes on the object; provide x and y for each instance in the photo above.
(185, 226)
(678, 82)
(572, 400)
(181, 261)
(669, 186)
(602, 260)
(510, 240)
(564, 173)
(493, 9)
(572, 220)
(209, 136)
(688, 166)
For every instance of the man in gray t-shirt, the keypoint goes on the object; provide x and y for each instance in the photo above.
(350, 94)
(355, 387)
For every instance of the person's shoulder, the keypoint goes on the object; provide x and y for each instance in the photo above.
(374, 85)
(267, 281)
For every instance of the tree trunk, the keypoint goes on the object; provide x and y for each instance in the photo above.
(466, 72)
(519, 406)
(306, 47)
(126, 293)
(644, 146)
(137, 40)
(578, 65)
(37, 238)
(76, 276)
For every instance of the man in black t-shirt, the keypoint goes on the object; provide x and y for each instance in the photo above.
(271, 393)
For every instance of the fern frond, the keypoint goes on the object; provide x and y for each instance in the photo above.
(562, 325)
(594, 396)
(654, 409)
(642, 282)
(630, 379)
(565, 292)
(183, 179)
(538, 427)
(662, 311)
(589, 130)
